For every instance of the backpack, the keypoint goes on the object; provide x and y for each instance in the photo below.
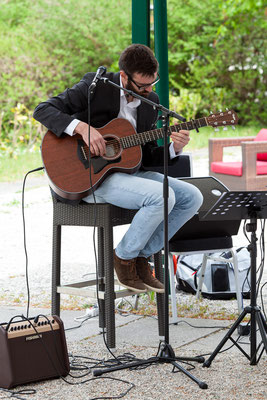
(219, 279)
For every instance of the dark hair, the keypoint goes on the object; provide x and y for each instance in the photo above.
(138, 58)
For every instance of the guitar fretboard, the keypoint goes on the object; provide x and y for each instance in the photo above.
(155, 134)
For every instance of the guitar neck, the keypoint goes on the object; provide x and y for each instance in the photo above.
(155, 134)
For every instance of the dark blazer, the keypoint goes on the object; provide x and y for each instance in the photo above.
(57, 112)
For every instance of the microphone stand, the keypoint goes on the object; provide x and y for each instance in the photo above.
(165, 352)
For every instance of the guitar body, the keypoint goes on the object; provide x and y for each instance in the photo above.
(73, 174)
(66, 160)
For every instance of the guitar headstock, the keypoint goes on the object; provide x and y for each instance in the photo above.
(222, 119)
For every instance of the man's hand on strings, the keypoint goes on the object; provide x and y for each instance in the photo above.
(97, 142)
(180, 140)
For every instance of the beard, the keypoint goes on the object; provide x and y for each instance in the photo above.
(141, 92)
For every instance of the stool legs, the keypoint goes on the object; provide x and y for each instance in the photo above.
(101, 277)
(109, 285)
(56, 266)
(107, 218)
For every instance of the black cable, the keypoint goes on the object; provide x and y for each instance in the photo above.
(99, 304)
(94, 218)
(81, 323)
(17, 394)
(262, 303)
(85, 374)
(80, 367)
(94, 233)
(131, 385)
(42, 341)
(24, 236)
(201, 327)
(262, 250)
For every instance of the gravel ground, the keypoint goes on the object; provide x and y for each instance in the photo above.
(229, 378)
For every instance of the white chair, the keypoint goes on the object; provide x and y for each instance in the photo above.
(204, 237)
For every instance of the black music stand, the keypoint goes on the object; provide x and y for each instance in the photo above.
(252, 206)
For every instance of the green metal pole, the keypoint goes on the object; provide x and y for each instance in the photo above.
(161, 51)
(141, 22)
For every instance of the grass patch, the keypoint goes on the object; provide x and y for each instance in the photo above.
(187, 307)
(15, 168)
(200, 139)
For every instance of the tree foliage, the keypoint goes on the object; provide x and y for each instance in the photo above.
(217, 49)
(48, 45)
(216, 53)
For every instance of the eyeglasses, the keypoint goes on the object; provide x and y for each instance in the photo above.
(146, 85)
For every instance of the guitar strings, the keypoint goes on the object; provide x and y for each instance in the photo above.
(140, 137)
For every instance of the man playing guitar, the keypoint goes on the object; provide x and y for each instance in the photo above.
(67, 114)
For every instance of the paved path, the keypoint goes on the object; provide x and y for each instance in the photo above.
(38, 217)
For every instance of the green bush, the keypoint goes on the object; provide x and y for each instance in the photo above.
(216, 56)
(46, 46)
(217, 49)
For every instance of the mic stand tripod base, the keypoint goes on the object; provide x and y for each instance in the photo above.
(165, 355)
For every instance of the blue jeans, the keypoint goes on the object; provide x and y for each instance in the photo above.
(143, 191)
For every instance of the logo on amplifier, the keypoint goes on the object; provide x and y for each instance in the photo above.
(33, 337)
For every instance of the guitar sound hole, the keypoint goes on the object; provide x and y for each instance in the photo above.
(113, 148)
(110, 150)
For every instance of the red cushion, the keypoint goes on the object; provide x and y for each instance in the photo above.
(261, 137)
(228, 168)
(235, 168)
(261, 167)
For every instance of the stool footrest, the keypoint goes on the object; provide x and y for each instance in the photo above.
(82, 289)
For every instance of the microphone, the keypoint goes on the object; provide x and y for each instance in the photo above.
(100, 71)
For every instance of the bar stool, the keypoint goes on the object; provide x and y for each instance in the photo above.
(104, 216)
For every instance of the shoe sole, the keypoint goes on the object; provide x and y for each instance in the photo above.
(132, 288)
(153, 289)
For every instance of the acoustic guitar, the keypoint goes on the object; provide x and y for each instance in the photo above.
(67, 160)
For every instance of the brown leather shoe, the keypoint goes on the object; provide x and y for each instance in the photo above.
(127, 276)
(144, 271)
